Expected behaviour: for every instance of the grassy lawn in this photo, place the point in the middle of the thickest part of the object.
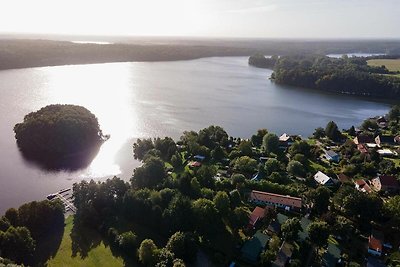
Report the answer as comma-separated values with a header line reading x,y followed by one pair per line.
x,y
391,64
97,256
395,160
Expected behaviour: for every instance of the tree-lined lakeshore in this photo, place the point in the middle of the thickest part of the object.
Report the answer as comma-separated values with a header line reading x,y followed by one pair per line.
x,y
209,197
39,52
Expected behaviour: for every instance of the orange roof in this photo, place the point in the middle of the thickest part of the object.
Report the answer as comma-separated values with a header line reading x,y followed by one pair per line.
x,y
258,213
362,185
275,198
374,243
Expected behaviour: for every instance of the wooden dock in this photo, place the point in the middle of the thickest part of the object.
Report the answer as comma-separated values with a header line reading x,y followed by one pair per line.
x,y
65,196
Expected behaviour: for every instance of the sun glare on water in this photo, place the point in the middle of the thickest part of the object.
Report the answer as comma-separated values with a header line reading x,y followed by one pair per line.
x,y
105,90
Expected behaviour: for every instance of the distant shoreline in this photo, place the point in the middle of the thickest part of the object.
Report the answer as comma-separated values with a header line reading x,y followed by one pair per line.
x,y
29,53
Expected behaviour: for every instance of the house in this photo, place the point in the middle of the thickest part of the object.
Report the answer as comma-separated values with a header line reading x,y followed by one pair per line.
x,y
381,121
257,215
362,186
332,256
279,201
385,183
275,226
386,152
332,156
284,254
285,140
363,139
199,157
194,164
343,178
303,234
375,242
362,148
252,248
323,179
387,140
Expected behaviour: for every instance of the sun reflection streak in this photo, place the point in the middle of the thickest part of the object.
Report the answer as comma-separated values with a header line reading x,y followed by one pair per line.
x,y
105,89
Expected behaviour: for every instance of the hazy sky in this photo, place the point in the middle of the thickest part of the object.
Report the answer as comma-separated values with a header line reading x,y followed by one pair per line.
x,y
224,18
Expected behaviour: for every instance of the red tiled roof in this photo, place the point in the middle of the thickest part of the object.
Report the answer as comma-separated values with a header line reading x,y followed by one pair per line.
x,y
362,185
275,198
374,243
258,213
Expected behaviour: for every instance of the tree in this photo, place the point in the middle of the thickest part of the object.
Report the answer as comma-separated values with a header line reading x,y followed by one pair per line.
x,y
394,113
218,153
205,175
179,263
332,131
150,174
270,143
141,147
352,131
245,148
127,241
17,244
392,207
4,224
222,203
183,245
246,164
257,138
301,147
237,178
176,160
272,165
239,217
291,228
320,199
318,233
267,257
147,252
206,216
319,133
235,198
369,124
295,168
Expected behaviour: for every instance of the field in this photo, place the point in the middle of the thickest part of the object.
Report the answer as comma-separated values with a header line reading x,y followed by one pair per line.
x,y
98,255
391,64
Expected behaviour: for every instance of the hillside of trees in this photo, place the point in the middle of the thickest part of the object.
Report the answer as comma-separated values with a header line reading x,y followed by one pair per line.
x,y
347,75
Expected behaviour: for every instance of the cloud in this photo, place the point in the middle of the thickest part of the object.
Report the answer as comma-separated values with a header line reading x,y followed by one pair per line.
x,y
257,9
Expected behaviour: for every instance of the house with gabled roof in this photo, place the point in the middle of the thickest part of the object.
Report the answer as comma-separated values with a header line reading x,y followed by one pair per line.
x,y
362,186
385,183
363,139
382,140
276,200
323,179
257,215
375,243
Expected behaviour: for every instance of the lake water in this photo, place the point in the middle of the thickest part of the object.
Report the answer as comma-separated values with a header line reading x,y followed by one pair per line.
x,y
134,100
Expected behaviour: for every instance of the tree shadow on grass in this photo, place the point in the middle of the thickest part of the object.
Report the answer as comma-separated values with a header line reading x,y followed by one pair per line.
x,y
48,245
83,239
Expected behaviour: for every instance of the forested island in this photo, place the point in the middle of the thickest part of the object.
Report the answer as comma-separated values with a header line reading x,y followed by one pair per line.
x,y
59,132
209,198
346,75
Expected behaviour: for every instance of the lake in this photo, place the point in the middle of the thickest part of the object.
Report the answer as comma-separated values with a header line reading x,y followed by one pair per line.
x,y
134,100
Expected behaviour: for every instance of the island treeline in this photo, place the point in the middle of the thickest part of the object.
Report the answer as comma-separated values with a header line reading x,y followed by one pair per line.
x,y
348,75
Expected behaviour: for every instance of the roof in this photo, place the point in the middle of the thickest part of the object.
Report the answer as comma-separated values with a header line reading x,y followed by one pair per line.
x,y
388,139
258,213
362,139
388,180
195,164
303,234
252,248
343,177
284,137
363,186
275,198
374,243
284,254
322,178
332,255
386,152
331,153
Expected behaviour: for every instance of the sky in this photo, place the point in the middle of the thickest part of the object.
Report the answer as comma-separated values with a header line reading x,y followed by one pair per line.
x,y
205,18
